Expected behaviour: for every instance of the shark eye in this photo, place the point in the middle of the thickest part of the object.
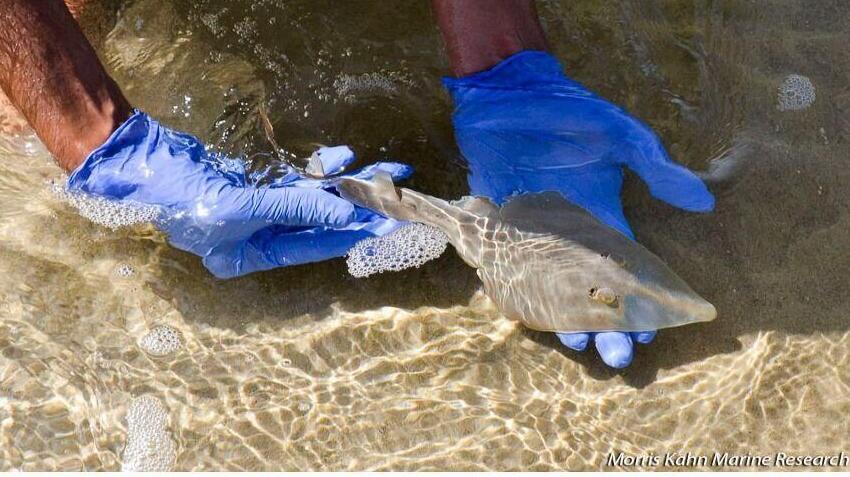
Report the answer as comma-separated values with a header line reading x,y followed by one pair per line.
x,y
603,295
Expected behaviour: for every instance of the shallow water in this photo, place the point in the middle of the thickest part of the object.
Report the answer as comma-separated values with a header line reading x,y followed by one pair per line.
x,y
309,368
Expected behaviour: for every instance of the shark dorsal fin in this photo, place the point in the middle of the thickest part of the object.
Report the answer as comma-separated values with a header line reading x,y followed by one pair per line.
x,y
481,206
384,181
315,167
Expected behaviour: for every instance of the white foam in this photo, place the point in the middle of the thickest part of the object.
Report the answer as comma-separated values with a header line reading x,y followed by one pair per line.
x,y
796,93
409,246
161,340
124,271
350,86
150,447
108,213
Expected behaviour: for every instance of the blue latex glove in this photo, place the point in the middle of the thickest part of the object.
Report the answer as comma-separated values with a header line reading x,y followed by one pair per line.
x,y
210,208
523,126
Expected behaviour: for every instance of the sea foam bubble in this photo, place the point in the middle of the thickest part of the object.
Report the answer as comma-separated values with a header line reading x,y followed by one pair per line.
x,y
411,245
150,447
112,214
796,93
161,340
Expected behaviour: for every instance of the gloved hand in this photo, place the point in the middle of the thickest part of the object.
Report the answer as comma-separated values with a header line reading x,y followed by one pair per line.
x,y
209,207
523,126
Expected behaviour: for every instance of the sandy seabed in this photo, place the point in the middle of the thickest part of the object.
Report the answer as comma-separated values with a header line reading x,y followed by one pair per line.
x,y
308,368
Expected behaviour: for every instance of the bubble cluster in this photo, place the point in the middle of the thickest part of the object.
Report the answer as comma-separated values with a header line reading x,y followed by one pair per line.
x,y
112,214
124,271
211,20
161,340
184,107
409,246
349,86
150,448
796,93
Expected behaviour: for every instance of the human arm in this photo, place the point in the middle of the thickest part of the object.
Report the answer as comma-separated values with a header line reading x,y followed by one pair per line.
x,y
523,126
50,72
206,202
478,35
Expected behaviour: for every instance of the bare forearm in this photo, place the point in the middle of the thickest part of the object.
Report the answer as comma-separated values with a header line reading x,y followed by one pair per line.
x,y
52,75
480,33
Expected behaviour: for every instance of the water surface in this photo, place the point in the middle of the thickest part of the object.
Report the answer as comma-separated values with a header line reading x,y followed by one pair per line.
x,y
309,368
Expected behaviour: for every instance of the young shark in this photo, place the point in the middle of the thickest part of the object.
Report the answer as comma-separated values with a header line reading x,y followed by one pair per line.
x,y
546,262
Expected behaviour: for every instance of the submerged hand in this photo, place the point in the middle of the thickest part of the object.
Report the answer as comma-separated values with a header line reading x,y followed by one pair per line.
x,y
210,209
523,126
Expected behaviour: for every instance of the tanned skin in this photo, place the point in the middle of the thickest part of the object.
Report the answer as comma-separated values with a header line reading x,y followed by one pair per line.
x,y
53,76
11,120
481,33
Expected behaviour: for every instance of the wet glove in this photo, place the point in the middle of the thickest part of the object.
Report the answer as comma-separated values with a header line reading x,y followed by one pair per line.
x,y
523,126
211,207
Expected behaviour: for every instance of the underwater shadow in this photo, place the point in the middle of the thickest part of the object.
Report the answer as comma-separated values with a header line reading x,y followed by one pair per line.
x,y
769,265
766,260
315,290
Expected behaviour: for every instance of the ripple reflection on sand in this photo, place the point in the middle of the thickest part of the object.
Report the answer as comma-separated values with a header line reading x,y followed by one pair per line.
x,y
302,369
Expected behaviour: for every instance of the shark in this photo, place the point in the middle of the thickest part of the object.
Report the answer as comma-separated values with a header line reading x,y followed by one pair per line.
x,y
546,262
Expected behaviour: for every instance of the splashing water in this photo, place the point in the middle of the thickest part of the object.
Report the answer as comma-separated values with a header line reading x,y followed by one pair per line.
x,y
409,246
